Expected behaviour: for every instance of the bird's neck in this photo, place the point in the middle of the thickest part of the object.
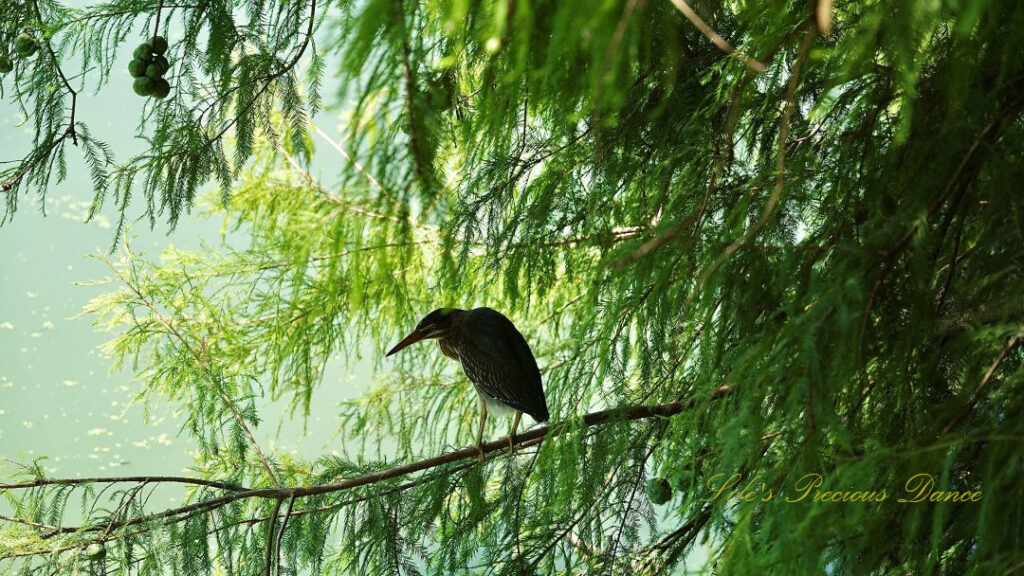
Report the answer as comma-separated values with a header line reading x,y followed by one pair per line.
x,y
448,347
451,342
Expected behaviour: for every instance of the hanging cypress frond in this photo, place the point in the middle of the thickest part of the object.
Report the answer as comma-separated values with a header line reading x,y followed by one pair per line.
x,y
753,247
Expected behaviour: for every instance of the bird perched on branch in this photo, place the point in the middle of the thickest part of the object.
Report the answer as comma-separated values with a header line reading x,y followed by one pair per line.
x,y
495,357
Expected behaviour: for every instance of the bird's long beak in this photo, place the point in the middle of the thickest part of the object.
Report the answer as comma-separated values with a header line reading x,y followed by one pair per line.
x,y
413,338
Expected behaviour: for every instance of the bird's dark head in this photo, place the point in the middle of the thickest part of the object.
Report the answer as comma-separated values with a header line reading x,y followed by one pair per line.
x,y
434,325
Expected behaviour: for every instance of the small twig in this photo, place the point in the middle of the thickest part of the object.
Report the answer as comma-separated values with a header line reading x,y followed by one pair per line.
x,y
685,534
640,472
887,259
954,259
70,131
544,321
946,191
359,167
156,27
245,429
717,40
539,557
814,132
656,242
410,95
31,523
613,47
332,198
519,504
718,164
780,177
1015,568
202,363
56,64
122,479
981,385
19,465
271,524
270,79
1007,310
864,393
125,503
280,535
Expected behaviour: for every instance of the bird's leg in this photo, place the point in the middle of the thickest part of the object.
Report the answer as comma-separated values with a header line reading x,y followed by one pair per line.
x,y
480,429
512,434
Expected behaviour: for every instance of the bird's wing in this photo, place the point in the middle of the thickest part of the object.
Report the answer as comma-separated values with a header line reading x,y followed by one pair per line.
x,y
499,361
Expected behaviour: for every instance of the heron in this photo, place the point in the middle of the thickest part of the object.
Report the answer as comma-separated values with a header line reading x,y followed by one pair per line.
x,y
495,357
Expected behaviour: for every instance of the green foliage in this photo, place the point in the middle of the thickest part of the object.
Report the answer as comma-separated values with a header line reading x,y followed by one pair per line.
x,y
185,131
822,260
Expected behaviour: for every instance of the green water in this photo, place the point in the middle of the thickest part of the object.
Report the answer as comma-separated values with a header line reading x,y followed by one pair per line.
x,y
59,399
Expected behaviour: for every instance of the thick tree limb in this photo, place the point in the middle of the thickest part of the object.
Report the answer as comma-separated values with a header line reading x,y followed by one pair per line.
x,y
823,16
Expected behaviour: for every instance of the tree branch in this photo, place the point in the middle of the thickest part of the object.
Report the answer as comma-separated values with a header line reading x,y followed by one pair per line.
x,y
362,170
780,177
717,40
203,365
120,479
270,79
674,541
271,524
280,536
981,386
39,525
1008,310
410,95
56,64
529,438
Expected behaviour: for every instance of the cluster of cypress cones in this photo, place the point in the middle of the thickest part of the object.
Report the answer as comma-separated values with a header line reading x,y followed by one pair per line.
x,y
148,68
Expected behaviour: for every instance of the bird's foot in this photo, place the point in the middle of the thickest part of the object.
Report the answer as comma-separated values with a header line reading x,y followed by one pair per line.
x,y
511,444
480,450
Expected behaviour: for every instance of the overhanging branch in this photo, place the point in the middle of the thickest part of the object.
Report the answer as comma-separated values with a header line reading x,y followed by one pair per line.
x,y
715,38
122,479
236,493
